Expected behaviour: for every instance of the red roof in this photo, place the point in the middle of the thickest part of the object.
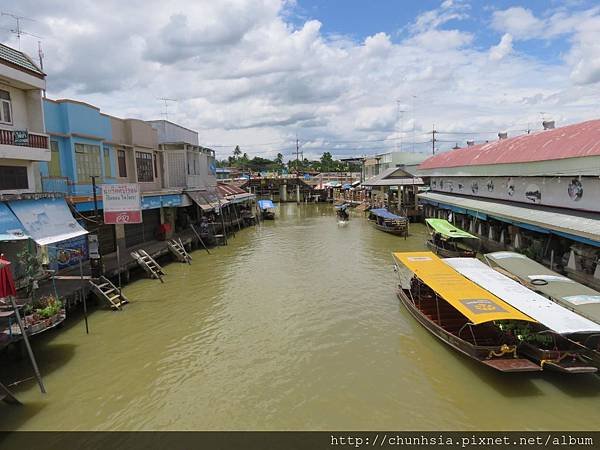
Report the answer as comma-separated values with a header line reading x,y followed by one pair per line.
x,y
229,189
573,141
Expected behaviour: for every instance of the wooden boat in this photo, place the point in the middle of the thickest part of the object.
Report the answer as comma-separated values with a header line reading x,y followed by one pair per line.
x,y
547,342
384,220
267,209
448,241
460,313
560,289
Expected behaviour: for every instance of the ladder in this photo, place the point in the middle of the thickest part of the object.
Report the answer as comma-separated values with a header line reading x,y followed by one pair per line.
x,y
178,249
7,396
148,264
106,290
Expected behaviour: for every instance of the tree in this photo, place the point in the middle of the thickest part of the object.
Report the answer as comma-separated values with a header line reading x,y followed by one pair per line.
x,y
279,159
236,152
327,163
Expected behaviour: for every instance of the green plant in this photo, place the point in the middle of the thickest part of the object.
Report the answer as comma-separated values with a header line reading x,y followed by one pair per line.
x,y
48,306
31,265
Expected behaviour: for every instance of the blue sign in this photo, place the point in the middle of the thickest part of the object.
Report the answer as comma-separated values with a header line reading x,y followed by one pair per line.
x,y
68,253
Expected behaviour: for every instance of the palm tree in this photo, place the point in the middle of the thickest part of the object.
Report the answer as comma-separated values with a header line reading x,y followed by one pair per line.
x,y
236,152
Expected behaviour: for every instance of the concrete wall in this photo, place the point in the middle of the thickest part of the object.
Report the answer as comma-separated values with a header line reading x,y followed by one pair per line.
x,y
171,132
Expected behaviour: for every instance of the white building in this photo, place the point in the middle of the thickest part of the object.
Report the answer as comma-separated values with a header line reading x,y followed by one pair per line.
x,y
23,142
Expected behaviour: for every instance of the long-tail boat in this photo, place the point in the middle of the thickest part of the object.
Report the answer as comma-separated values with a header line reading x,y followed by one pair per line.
x,y
549,343
459,312
449,241
560,289
267,209
386,221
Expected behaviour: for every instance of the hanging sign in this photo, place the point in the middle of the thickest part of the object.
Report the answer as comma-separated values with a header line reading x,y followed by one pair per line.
x,y
21,137
121,203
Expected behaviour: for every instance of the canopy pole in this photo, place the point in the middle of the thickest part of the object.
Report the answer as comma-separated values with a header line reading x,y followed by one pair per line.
x,y
199,238
36,370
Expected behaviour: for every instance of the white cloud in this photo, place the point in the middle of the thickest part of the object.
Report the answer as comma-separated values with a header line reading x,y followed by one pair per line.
x,y
242,73
504,48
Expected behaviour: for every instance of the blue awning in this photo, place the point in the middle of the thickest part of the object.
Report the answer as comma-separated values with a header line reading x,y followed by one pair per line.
x,y
10,227
265,204
47,220
382,212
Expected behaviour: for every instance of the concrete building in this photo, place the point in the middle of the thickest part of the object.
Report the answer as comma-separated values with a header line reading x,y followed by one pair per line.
x,y
23,141
537,193
377,164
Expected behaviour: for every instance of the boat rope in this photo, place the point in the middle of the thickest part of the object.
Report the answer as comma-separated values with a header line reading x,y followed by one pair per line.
x,y
556,361
504,350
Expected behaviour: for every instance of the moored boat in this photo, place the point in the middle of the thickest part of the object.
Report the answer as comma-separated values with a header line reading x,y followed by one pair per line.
x,y
448,241
560,289
386,221
460,313
549,343
267,209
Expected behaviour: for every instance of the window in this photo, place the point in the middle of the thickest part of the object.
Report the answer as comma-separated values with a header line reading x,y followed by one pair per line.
x,y
88,162
54,164
143,162
13,177
107,166
5,107
122,160
155,165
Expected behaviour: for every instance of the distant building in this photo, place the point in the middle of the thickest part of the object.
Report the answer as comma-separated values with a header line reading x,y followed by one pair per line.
x,y
379,163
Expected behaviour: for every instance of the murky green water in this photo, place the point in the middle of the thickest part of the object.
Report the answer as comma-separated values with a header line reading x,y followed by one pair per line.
x,y
294,325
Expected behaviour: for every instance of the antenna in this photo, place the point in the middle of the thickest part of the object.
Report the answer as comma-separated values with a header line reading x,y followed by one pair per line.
x,y
166,100
400,113
18,30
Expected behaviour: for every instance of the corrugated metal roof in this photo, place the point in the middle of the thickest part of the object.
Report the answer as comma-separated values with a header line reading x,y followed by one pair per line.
x,y
578,224
394,176
19,59
229,189
573,141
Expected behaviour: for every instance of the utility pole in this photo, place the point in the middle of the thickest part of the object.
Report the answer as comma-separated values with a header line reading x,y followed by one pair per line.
x,y
41,56
433,140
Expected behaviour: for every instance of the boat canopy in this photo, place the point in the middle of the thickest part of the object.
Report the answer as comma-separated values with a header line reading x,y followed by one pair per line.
x,y
449,231
382,212
265,204
471,300
545,311
568,293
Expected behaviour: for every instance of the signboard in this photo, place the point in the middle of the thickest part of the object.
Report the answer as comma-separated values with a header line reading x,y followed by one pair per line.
x,y
121,203
21,137
68,253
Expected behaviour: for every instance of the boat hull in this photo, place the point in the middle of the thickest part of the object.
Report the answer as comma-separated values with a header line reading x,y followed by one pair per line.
x,y
478,353
447,253
403,231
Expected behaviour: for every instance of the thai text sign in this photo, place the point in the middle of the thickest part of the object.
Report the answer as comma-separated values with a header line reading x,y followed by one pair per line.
x,y
121,203
21,137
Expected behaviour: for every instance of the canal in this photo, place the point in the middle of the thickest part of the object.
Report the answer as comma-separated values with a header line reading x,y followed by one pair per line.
x,y
294,325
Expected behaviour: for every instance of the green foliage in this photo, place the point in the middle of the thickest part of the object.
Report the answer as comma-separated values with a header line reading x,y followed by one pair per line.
x,y
31,267
47,307
523,332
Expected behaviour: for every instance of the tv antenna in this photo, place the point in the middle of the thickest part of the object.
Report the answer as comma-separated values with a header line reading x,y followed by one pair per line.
x,y
399,116
18,30
166,101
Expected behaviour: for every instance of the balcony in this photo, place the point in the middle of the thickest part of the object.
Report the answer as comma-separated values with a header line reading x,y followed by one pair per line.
x,y
17,144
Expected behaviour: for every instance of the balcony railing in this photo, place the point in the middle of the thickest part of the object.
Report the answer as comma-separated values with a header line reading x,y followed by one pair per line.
x,y
35,140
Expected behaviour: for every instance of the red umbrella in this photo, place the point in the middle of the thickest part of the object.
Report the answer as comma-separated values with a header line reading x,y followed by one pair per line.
x,y
7,284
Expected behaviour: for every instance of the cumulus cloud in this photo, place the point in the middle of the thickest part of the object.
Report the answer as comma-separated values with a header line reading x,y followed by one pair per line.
x,y
504,48
249,71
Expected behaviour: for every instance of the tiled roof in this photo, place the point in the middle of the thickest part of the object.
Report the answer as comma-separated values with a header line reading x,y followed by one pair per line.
x,y
572,141
18,58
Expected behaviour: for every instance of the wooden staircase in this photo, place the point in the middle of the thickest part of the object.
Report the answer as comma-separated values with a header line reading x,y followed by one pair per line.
x,y
7,396
177,248
148,264
107,291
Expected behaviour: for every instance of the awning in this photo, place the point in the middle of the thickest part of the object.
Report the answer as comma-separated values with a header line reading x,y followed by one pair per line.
x,y
239,198
540,308
10,227
584,227
206,200
382,212
564,291
472,301
46,220
446,229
